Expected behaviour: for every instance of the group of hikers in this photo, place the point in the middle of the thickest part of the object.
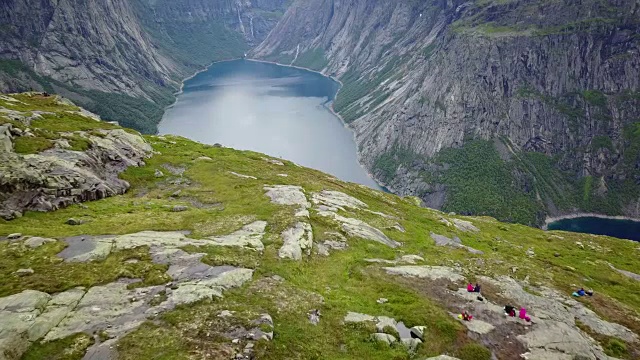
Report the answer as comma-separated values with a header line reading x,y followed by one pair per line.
x,y
508,309
511,310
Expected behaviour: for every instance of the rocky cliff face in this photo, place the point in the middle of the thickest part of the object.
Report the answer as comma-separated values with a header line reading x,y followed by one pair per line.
x,y
39,173
123,59
555,85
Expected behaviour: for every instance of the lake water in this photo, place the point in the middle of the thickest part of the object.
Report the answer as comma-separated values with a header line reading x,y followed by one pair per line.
x,y
276,110
623,229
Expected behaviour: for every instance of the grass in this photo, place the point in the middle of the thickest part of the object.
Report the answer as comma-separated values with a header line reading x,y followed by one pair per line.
x,y
69,348
31,145
52,274
220,203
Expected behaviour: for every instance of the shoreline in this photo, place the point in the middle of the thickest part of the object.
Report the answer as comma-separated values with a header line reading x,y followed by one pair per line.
x,y
334,113
181,90
552,219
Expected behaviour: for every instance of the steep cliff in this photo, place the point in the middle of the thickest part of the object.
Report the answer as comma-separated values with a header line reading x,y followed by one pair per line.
x,y
516,109
123,59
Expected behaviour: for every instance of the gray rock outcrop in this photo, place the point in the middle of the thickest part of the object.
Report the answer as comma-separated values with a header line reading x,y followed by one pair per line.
x,y
57,178
298,240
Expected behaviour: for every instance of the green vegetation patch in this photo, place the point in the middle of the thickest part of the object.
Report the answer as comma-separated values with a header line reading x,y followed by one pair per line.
x,y
480,182
314,59
31,145
69,348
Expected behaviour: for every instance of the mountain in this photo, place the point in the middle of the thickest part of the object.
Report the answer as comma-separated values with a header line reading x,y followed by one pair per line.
x,y
192,251
515,109
123,59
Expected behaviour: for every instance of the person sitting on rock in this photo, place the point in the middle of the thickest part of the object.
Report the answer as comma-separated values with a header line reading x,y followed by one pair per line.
x,y
466,316
476,288
470,287
510,310
579,293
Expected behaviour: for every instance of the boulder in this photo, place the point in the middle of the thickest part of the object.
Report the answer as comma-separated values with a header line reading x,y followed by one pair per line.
x,y
417,332
384,338
411,344
35,242
74,222
287,195
158,173
14,236
384,322
24,272
297,240
179,208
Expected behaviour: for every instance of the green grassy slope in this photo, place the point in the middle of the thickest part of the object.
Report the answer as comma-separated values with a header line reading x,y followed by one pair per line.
x,y
220,202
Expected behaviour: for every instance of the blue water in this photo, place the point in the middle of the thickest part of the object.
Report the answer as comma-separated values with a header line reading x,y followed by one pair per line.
x,y
276,110
623,229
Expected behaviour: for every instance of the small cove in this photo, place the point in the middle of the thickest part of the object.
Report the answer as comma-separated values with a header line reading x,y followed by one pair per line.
x,y
277,110
619,228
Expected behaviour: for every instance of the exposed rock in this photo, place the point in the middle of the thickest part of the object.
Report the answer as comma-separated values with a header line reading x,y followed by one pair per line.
x,y
430,272
287,195
158,173
382,301
204,158
243,176
24,272
14,236
626,273
353,317
478,326
57,178
384,322
411,344
384,338
360,229
296,240
6,139
249,236
283,175
179,208
442,240
273,161
337,200
74,222
417,332
464,225
442,357
554,339
35,242
411,259
314,316
530,252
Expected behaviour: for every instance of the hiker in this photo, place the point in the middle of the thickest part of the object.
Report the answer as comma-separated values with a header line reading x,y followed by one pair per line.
x,y
470,287
579,293
476,288
510,310
466,316
523,315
